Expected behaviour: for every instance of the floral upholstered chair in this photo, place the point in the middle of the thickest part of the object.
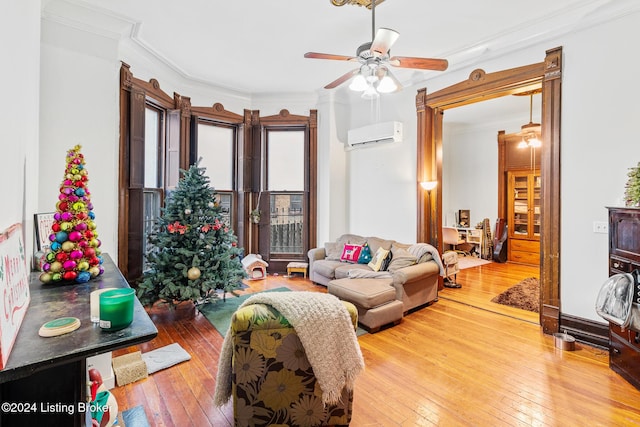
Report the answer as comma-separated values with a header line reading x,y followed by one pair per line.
x,y
272,381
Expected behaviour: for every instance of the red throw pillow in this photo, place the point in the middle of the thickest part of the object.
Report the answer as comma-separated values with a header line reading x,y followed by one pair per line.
x,y
351,253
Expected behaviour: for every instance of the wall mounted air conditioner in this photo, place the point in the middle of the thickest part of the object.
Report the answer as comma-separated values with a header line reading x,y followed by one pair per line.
x,y
378,132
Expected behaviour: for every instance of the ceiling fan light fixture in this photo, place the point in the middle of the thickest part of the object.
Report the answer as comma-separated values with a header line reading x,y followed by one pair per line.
x,y
359,83
533,141
370,93
387,85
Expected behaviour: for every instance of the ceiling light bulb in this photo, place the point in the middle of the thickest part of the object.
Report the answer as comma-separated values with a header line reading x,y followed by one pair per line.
x,y
370,93
523,144
358,84
534,142
387,85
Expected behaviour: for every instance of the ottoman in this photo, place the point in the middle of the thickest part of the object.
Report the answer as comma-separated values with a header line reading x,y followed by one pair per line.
x,y
375,300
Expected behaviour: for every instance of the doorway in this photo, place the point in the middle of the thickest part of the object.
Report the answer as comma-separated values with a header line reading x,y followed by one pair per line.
x,y
482,86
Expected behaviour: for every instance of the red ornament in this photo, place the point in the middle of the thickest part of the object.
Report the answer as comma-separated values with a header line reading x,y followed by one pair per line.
x,y
89,252
62,256
69,275
55,227
88,234
94,261
63,206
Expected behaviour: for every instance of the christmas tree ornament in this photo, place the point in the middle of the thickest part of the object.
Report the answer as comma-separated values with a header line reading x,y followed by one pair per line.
x,y
73,230
194,273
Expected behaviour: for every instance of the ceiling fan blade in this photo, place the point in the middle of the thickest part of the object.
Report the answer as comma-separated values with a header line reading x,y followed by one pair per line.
x,y
383,41
337,82
422,63
316,55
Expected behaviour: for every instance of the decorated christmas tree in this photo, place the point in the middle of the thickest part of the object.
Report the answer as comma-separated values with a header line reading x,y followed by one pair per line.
x,y
192,252
74,254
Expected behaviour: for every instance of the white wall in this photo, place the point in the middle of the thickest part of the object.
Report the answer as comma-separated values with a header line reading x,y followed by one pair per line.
x,y
20,73
599,143
469,173
381,193
78,103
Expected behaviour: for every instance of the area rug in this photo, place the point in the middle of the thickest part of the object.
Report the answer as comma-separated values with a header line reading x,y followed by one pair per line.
x,y
164,357
470,261
134,417
525,295
219,313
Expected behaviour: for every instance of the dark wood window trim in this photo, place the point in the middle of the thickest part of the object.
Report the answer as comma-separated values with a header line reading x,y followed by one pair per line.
x,y
286,121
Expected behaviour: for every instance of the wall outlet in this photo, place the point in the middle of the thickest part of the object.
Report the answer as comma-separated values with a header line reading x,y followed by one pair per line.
x,y
601,227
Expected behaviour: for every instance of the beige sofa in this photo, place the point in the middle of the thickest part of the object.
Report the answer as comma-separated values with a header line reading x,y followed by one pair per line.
x,y
409,281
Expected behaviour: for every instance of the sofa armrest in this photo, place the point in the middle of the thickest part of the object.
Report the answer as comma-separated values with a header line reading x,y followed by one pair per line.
x,y
414,272
315,254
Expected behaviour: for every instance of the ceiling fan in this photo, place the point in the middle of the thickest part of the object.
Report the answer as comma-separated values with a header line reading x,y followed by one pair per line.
x,y
373,74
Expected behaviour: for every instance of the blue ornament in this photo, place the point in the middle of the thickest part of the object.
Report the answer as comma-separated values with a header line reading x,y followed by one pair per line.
x,y
79,192
92,215
55,246
83,277
61,236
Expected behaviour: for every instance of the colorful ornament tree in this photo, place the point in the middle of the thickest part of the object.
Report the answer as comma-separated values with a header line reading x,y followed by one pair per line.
x,y
74,254
193,253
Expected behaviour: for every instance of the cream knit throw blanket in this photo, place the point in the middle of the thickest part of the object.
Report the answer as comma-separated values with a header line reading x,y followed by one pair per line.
x,y
326,332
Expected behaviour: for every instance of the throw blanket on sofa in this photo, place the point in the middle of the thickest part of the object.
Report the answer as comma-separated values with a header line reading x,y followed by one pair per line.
x,y
334,354
419,249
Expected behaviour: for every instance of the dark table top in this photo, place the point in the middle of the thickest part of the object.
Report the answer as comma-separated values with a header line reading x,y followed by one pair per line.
x,y
32,353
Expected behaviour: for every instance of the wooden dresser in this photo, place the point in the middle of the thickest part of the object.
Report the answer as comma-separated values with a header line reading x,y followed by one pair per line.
x,y
624,257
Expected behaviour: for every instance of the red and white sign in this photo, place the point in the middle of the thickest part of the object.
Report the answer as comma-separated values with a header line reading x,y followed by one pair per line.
x,y
14,288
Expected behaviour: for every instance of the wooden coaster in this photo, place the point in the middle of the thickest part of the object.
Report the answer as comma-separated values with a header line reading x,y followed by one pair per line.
x,y
59,326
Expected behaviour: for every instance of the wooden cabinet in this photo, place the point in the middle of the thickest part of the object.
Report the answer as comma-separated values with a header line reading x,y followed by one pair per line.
x,y
523,217
624,257
48,376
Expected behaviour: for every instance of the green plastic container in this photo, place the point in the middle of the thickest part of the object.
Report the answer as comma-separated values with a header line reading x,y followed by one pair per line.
x,y
116,309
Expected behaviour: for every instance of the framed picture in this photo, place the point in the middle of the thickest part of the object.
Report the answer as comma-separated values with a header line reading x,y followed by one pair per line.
x,y
43,223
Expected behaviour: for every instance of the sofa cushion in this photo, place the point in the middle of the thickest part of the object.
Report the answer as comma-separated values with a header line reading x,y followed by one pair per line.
x,y
351,253
376,242
333,251
366,293
343,269
326,268
365,254
400,258
378,258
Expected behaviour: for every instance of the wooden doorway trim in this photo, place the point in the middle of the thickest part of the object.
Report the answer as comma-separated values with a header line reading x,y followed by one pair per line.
x,y
480,87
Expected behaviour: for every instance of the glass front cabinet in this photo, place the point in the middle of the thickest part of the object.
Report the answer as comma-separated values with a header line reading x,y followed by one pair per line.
x,y
523,219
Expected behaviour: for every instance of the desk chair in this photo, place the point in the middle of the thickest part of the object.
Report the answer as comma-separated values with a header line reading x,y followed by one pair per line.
x,y
450,236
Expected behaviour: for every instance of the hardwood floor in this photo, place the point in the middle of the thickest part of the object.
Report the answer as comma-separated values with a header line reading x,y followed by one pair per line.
x,y
462,361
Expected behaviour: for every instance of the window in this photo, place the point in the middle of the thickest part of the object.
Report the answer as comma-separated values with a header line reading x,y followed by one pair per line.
x,y
216,151
285,183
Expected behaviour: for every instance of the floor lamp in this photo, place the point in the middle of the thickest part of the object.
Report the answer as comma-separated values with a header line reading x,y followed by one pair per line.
x,y
428,186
